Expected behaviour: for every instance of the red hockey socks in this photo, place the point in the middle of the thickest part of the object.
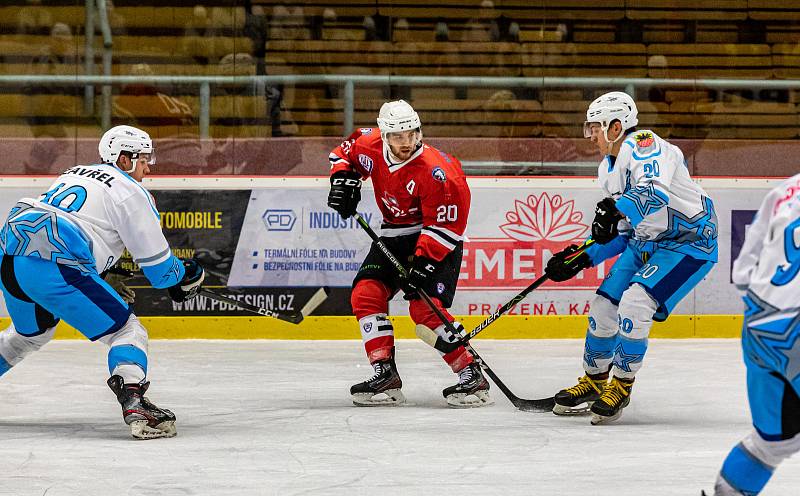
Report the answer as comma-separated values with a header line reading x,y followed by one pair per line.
x,y
422,314
370,302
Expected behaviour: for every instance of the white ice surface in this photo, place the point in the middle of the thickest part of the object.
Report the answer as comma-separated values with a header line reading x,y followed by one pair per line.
x,y
275,418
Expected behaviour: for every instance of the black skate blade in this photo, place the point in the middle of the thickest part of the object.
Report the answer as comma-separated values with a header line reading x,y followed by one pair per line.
x,y
543,405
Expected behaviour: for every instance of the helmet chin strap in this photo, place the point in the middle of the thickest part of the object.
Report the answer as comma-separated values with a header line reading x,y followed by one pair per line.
x,y
611,143
133,167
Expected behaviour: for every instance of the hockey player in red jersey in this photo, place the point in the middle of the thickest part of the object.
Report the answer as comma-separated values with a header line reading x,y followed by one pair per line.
x,y
424,198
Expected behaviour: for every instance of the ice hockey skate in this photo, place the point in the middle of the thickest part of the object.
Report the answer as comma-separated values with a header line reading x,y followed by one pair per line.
x,y
616,396
577,400
382,389
146,420
471,391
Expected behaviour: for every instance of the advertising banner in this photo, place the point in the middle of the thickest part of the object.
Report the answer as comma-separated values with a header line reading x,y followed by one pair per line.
x,y
291,238
275,244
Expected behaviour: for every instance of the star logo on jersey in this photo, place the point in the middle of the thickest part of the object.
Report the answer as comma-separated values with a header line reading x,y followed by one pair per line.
x,y
700,230
646,199
39,236
779,340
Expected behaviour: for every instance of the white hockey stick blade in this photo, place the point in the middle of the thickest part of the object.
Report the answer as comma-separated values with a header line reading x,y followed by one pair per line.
x,y
315,301
426,334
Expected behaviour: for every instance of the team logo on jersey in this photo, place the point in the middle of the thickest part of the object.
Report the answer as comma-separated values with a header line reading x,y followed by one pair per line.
x,y
439,174
365,162
367,327
439,288
644,139
365,130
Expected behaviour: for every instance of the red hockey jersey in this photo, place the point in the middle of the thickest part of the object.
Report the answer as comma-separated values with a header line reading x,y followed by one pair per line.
x,y
427,193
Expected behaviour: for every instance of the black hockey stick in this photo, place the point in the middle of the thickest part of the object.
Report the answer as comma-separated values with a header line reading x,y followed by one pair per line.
x,y
431,338
294,317
540,405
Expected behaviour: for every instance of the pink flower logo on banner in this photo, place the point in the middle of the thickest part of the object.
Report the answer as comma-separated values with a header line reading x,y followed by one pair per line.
x,y
544,218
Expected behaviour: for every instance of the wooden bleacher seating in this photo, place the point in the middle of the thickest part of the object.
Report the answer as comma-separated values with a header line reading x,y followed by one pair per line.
x,y
584,60
712,60
735,120
786,60
155,35
770,10
666,10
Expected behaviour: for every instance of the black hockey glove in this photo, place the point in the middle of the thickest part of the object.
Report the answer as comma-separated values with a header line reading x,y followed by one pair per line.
x,y
421,270
190,284
559,268
116,277
606,217
345,193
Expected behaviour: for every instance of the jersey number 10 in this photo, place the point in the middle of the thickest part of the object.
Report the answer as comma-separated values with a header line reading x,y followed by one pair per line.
x,y
69,200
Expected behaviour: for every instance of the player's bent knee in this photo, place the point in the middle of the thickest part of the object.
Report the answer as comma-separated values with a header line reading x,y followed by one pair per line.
x,y
602,317
15,346
771,453
636,310
369,296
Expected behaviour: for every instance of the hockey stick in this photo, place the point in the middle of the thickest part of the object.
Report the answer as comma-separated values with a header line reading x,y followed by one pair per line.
x,y
540,405
431,338
293,317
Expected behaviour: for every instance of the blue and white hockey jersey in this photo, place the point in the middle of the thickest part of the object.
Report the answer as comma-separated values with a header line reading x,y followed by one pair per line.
x,y
651,185
88,217
768,265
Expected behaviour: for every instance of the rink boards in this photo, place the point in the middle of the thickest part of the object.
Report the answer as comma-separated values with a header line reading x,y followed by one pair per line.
x,y
272,241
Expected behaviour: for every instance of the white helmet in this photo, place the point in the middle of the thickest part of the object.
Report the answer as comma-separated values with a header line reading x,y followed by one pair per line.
x,y
125,139
608,108
397,116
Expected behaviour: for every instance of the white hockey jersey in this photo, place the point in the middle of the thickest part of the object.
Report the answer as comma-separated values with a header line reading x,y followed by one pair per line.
x,y
768,265
651,185
88,217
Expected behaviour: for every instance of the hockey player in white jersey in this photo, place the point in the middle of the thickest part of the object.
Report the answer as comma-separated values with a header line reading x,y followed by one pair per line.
x,y
53,250
766,270
664,226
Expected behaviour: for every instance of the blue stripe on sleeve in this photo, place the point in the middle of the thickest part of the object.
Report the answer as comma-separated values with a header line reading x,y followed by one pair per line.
x,y
165,274
597,252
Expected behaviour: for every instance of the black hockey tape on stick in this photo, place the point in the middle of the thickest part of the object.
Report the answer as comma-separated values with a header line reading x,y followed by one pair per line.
x,y
294,317
540,405
427,335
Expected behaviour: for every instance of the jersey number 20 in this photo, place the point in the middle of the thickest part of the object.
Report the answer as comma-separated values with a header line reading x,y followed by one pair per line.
x,y
447,213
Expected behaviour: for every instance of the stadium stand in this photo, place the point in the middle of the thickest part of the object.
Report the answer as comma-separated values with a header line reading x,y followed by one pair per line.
x,y
743,39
